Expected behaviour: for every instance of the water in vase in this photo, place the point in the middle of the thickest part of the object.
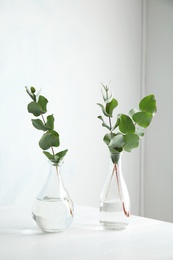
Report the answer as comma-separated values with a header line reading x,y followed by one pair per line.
x,y
112,215
52,214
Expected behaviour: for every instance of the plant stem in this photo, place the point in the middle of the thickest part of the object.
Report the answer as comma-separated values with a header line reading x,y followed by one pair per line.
x,y
43,119
110,123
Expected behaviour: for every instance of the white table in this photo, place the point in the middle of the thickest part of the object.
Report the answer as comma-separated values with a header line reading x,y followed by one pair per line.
x,y
143,239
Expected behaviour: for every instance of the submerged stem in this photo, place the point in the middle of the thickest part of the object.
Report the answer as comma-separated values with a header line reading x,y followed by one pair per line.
x,y
118,183
57,172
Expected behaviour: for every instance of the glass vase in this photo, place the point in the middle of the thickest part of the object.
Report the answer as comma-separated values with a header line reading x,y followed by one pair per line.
x,y
53,208
115,201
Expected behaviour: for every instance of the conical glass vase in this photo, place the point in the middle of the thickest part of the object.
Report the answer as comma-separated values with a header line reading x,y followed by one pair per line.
x,y
114,200
53,208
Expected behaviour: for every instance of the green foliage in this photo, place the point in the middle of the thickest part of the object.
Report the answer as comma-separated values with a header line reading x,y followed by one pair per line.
x,y
125,133
56,157
40,125
142,118
118,142
38,108
110,106
50,138
126,125
148,104
131,141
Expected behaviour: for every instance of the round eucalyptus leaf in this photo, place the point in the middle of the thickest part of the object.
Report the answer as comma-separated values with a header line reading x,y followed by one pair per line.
x,y
142,118
35,109
50,138
126,125
131,142
117,141
107,138
148,104
38,124
50,122
110,106
38,108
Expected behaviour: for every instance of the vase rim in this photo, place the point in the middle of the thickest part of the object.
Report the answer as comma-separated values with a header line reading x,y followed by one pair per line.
x,y
116,152
60,163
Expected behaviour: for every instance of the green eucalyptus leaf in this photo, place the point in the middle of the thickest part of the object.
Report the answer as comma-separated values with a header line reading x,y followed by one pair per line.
x,y
126,125
103,109
133,111
143,118
110,106
148,104
49,155
50,122
139,130
42,101
38,108
62,154
34,108
131,142
50,138
117,141
38,124
107,138
56,158
103,123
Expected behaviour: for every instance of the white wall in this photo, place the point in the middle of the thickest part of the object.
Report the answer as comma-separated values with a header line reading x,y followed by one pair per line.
x,y
66,48
159,80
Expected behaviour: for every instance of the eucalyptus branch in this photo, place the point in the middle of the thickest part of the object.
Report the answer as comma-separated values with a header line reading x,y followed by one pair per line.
x,y
128,129
50,138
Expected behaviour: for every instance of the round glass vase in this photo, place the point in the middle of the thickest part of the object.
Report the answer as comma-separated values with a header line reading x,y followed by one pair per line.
x,y
53,208
114,200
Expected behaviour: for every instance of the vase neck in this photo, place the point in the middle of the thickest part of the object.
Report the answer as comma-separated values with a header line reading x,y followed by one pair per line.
x,y
56,167
116,158
55,173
